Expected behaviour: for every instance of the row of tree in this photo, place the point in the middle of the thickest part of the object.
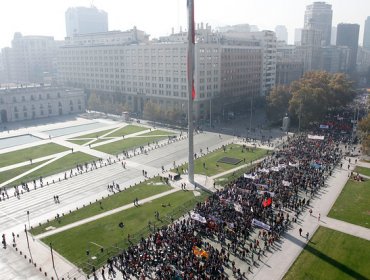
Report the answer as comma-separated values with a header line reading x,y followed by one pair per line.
x,y
309,99
106,104
155,112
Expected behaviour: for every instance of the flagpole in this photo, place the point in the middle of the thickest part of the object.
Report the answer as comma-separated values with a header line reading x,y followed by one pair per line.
x,y
191,89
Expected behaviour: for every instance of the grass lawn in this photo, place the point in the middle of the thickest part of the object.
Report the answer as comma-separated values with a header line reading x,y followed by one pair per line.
x,y
63,164
143,190
158,132
127,144
105,232
224,180
362,170
10,158
126,130
332,255
7,175
95,134
233,150
353,204
78,142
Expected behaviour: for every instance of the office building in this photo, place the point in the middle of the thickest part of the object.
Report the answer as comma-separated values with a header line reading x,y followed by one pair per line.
x,y
228,70
30,58
318,16
366,41
347,35
281,33
83,20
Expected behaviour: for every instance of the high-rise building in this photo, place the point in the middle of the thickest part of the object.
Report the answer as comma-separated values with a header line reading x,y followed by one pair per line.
x,y
318,16
83,20
333,39
297,36
281,33
347,35
366,42
30,58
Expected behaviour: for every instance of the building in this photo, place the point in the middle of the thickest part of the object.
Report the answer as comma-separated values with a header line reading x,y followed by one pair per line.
x,y
39,101
228,71
289,66
309,50
333,39
30,58
83,20
347,35
318,16
366,42
281,33
335,59
297,36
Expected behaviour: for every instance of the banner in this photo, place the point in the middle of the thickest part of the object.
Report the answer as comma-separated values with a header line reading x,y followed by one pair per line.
x,y
324,126
272,194
250,176
294,164
199,218
260,224
286,183
264,170
262,187
315,137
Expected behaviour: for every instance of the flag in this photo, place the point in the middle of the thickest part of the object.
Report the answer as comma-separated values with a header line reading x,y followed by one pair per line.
x,y
200,252
267,202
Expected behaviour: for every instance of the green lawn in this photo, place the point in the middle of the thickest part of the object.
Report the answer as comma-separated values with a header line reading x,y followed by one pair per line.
x,y
7,175
105,232
158,132
224,180
332,255
79,142
10,158
362,170
143,190
353,204
63,164
95,134
126,130
212,167
127,144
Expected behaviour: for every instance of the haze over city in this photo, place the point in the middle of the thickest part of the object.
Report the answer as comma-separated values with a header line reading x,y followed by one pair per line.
x,y
47,17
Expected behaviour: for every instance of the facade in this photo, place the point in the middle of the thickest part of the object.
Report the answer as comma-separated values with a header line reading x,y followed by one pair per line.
x,y
281,33
32,102
297,36
335,59
318,16
289,67
83,20
347,35
309,50
228,71
366,42
30,58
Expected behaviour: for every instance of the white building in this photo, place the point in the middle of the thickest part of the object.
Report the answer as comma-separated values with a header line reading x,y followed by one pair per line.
x,y
38,101
228,72
30,58
83,20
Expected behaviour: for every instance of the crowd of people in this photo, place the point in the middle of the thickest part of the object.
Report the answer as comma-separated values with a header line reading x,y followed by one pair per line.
x,y
242,221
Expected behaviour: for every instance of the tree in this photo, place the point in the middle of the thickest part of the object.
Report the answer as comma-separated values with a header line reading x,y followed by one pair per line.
x,y
317,92
93,102
364,126
278,102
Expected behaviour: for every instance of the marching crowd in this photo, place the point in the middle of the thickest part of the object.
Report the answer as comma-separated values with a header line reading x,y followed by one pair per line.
x,y
271,196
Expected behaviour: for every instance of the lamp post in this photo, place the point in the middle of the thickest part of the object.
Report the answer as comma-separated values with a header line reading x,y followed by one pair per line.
x,y
28,216
28,242
250,120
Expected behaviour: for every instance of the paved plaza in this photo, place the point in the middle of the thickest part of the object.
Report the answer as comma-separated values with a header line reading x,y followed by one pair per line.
x,y
84,188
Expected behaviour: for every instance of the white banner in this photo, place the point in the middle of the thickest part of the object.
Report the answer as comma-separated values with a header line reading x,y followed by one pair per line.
x,y
238,207
260,224
315,137
199,218
286,183
250,176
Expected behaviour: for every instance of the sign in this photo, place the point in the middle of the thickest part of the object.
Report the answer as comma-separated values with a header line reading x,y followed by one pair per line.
x,y
260,224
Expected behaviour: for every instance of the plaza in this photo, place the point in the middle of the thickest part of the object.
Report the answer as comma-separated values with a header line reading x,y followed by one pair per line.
x,y
89,185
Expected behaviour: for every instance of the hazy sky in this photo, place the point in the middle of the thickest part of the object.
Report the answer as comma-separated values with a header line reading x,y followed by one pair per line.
x,y
157,17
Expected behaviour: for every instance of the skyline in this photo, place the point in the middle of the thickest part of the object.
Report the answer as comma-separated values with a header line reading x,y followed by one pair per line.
x,y
157,20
